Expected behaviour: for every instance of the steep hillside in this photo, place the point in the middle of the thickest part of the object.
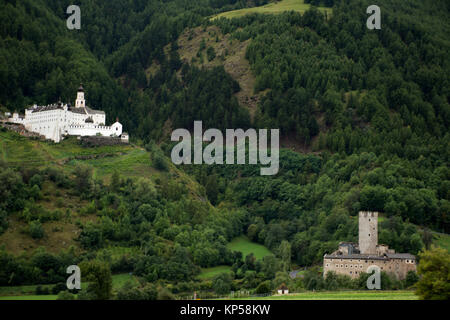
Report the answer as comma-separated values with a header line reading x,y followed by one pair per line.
x,y
363,117
63,210
208,47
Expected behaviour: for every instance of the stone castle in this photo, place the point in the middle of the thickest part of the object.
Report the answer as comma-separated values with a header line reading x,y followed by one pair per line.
x,y
58,120
352,259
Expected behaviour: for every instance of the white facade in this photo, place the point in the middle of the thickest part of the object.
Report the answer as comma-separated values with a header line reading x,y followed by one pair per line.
x,y
55,121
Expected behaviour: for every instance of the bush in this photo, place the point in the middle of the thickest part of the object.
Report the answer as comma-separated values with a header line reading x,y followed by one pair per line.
x,y
128,292
164,294
210,53
37,180
411,279
222,283
41,291
434,268
159,161
58,288
65,295
3,221
36,230
263,287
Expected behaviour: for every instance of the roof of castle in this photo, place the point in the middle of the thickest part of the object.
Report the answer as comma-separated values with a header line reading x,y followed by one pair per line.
x,y
92,111
47,108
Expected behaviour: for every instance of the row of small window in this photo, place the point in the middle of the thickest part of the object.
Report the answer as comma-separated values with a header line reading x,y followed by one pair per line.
x,y
50,120
346,266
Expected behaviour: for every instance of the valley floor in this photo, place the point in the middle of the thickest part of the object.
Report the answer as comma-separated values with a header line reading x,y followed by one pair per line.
x,y
342,295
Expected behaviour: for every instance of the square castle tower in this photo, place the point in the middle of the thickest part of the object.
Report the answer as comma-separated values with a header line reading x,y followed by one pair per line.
x,y
354,258
368,232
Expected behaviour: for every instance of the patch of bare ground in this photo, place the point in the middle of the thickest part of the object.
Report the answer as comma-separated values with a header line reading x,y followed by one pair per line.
x,y
229,52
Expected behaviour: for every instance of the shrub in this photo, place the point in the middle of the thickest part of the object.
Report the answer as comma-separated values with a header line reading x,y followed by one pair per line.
x,y
165,294
42,291
65,295
58,288
263,287
411,279
159,161
36,230
210,53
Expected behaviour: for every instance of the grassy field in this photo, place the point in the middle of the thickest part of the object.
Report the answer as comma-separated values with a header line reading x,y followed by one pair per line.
x,y
343,295
209,273
271,8
47,297
244,245
118,280
442,240
28,292
21,290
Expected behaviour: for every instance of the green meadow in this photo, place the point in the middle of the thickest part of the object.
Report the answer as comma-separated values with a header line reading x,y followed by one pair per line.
x,y
28,292
244,245
31,297
271,8
343,295
209,273
441,240
118,280
241,244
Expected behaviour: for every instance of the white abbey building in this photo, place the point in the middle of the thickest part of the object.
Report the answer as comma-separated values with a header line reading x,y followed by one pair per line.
x,y
57,120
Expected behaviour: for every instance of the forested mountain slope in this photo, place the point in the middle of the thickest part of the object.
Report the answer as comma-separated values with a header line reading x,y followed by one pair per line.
x,y
369,108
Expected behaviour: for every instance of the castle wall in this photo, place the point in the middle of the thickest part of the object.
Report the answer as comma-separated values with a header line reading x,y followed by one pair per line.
x,y
354,267
93,130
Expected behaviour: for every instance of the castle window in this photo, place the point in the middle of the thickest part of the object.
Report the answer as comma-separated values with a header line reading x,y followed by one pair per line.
x,y
342,265
346,265
337,266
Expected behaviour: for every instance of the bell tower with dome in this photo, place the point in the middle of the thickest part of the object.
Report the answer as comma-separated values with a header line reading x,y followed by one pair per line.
x,y
80,102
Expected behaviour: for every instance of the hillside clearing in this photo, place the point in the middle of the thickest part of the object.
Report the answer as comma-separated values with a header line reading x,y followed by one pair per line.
x,y
271,8
209,273
229,53
244,245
